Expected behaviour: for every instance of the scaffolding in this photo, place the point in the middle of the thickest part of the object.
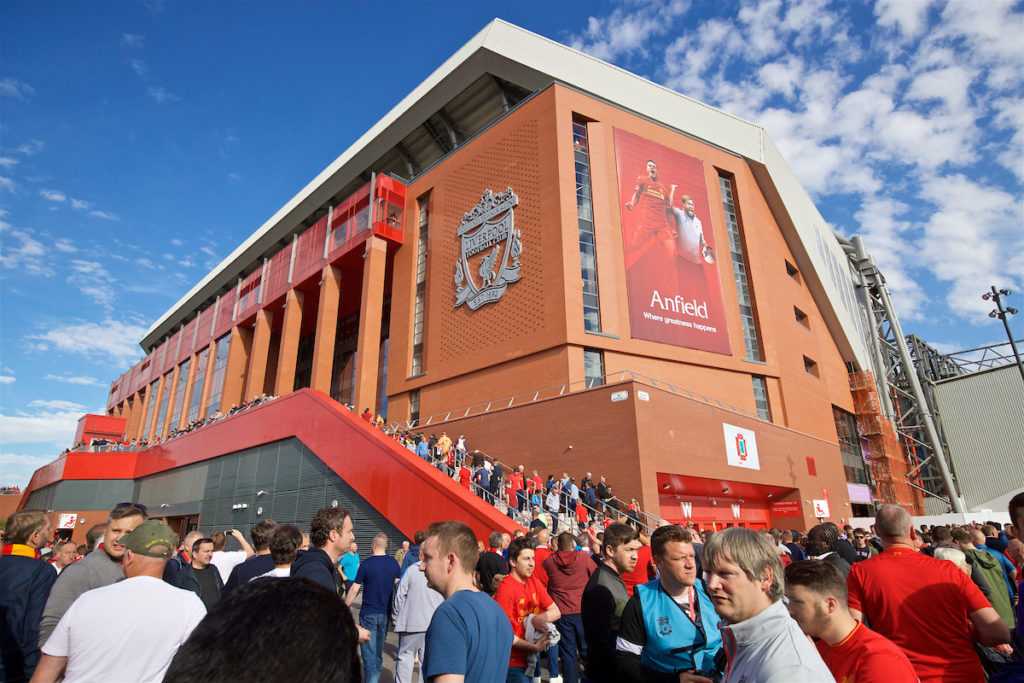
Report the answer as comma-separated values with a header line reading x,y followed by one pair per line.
x,y
904,402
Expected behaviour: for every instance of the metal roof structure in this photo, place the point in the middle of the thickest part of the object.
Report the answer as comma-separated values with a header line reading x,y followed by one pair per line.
x,y
498,68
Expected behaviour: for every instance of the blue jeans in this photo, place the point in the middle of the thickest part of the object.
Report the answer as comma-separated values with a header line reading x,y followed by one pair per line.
x,y
516,674
571,628
552,653
373,650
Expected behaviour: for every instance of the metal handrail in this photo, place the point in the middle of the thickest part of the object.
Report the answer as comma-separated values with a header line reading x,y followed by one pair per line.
x,y
559,390
646,521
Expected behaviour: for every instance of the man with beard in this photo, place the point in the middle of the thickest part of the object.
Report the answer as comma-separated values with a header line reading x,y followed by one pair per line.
x,y
853,652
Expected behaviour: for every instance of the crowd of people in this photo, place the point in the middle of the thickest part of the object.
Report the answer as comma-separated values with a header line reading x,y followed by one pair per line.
x,y
10,490
589,504
102,445
891,604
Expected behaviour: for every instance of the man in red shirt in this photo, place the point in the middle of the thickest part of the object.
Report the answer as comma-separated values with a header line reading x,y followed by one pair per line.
x,y
644,565
853,652
928,607
522,597
652,198
541,553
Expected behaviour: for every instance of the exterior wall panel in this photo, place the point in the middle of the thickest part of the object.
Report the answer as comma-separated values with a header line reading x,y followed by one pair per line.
x,y
982,416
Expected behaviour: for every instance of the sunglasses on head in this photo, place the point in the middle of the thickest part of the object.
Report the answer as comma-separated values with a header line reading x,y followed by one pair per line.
x,y
138,506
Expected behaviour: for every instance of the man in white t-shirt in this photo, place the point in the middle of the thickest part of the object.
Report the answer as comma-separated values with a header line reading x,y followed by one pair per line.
x,y
226,560
129,630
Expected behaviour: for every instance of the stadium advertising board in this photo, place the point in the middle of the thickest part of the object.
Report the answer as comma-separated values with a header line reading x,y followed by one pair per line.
x,y
672,281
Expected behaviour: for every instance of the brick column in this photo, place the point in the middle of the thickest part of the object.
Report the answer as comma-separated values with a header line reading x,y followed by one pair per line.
x,y
258,358
164,426
364,393
326,329
234,369
134,411
291,327
147,405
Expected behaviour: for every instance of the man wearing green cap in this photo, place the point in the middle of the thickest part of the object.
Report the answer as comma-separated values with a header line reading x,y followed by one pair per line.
x,y
129,630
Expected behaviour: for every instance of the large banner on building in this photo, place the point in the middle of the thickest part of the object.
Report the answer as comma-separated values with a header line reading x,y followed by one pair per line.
x,y
672,281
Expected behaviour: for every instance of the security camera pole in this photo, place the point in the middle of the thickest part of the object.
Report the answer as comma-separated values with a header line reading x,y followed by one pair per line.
x,y
1001,313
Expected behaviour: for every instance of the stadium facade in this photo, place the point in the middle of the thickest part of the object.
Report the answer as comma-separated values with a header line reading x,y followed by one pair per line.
x,y
576,268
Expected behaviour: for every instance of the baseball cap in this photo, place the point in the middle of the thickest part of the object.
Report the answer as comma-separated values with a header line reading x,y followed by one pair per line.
x,y
149,534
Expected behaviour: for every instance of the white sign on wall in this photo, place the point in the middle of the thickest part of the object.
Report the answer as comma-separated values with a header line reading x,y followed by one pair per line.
x,y
821,509
66,520
741,447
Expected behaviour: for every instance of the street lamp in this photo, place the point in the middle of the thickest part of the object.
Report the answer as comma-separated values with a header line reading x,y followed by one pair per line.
x,y
1001,313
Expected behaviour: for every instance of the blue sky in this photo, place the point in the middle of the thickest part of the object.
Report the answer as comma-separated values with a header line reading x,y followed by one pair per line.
x,y
141,142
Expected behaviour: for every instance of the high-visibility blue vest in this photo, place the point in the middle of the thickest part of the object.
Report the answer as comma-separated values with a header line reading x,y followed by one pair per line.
x,y
674,642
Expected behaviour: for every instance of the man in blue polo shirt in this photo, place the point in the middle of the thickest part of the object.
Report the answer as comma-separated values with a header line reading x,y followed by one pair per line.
x,y
378,573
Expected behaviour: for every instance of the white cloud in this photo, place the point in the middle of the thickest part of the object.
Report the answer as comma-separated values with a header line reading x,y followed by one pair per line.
x,y
105,215
161,94
30,148
53,195
65,245
111,341
81,380
7,379
8,184
8,162
29,254
15,89
93,280
628,29
138,66
176,242
80,204
234,177
56,404
43,425
906,17
132,40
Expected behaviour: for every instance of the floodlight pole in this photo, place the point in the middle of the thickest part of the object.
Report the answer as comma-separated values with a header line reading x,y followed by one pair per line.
x,y
1002,315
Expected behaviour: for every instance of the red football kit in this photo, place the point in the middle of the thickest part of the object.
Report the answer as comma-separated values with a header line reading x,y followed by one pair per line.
x,y
866,657
922,605
518,600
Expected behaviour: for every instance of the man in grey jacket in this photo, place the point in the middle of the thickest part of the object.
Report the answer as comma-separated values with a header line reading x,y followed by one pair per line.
x,y
101,567
413,607
745,582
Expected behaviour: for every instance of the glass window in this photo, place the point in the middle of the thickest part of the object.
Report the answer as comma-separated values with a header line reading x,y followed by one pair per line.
x,y
197,386
739,271
585,216
811,367
593,367
179,393
421,286
761,398
849,445
158,428
151,408
414,406
217,381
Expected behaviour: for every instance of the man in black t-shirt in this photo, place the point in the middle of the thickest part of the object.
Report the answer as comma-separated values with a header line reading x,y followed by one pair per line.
x,y
491,563
201,577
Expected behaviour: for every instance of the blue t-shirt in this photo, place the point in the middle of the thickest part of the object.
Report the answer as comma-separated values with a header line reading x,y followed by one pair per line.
x,y
469,634
377,575
349,563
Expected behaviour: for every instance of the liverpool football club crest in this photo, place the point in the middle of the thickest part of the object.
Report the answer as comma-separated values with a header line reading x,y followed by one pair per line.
x,y
491,248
